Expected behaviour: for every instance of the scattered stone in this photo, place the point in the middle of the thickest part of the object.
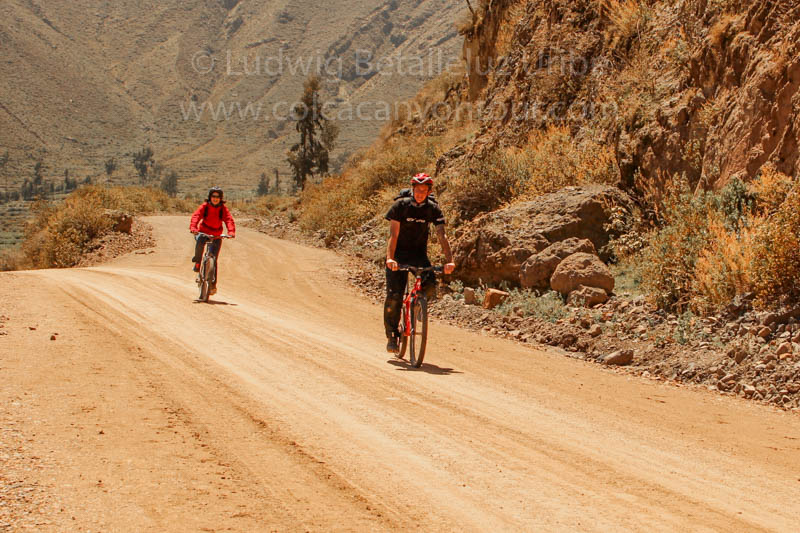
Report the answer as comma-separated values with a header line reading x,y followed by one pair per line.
x,y
469,296
620,357
785,348
494,298
52,337
764,332
587,297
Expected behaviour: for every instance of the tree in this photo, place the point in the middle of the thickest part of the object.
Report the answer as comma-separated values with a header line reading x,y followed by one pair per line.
x,y
317,135
38,173
263,185
111,166
69,184
3,162
143,162
170,183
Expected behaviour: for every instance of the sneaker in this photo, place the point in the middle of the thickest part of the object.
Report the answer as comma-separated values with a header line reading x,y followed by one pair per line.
x,y
392,345
212,291
196,267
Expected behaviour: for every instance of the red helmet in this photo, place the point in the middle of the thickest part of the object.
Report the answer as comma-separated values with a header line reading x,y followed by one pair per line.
x,y
422,179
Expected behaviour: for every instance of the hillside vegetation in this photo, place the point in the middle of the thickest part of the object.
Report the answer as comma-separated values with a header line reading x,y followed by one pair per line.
x,y
61,233
689,106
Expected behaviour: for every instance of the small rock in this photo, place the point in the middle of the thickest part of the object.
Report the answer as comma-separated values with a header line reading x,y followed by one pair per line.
x,y
785,348
469,296
595,330
494,298
587,296
52,337
620,357
764,332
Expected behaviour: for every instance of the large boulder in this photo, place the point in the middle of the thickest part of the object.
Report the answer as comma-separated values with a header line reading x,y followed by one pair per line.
x,y
536,271
494,246
581,269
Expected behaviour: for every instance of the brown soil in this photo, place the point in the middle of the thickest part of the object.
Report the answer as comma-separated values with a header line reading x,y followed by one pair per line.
x,y
272,410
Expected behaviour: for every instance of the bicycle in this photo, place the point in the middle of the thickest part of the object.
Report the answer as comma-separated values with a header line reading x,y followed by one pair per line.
x,y
207,277
414,321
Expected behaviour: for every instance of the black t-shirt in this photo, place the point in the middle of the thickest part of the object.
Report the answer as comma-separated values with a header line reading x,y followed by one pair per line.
x,y
414,220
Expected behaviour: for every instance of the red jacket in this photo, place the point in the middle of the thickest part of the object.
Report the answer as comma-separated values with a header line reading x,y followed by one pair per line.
x,y
211,223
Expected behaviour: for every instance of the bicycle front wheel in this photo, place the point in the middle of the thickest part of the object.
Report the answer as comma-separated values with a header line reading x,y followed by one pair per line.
x,y
418,339
403,340
206,277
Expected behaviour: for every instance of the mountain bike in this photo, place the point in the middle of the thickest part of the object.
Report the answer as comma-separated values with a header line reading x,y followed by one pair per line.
x,y
414,322
207,277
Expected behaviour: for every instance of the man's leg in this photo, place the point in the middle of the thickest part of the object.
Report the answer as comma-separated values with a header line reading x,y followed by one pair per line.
x,y
395,288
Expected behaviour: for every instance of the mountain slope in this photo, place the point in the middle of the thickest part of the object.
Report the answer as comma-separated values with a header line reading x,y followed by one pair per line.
x,y
87,80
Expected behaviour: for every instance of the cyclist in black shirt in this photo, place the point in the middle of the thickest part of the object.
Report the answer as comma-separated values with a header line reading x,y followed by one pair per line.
x,y
408,244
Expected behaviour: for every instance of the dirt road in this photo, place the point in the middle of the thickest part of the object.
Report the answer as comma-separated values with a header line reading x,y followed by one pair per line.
x,y
276,408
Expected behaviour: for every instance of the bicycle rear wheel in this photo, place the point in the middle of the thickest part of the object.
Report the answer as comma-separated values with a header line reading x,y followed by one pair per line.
x,y
206,278
418,339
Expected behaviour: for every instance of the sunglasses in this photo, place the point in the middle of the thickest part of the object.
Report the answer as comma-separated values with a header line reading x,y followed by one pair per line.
x,y
216,196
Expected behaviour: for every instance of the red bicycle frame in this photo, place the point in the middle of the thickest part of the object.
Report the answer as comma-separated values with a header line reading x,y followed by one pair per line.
x,y
412,295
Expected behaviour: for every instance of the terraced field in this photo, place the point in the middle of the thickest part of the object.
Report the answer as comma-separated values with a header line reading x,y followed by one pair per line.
x,y
14,215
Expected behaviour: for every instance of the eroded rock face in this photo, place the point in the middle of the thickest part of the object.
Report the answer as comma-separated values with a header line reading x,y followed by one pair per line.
x,y
581,269
495,246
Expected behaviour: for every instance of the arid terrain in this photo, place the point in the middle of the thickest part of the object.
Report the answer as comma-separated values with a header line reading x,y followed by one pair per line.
x,y
87,80
126,405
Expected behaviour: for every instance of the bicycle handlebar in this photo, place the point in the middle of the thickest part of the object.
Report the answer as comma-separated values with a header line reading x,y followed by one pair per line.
x,y
214,236
419,270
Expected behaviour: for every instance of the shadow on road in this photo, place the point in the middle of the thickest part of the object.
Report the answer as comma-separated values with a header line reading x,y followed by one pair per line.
x,y
426,367
213,302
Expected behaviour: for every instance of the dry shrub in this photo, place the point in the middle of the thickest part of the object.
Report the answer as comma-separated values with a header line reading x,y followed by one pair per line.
x,y
13,259
59,233
556,159
342,203
715,246
486,185
771,189
263,205
133,200
776,255
628,20
723,268
668,261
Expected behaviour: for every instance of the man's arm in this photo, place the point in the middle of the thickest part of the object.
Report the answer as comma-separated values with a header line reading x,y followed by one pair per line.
x,y
445,244
394,232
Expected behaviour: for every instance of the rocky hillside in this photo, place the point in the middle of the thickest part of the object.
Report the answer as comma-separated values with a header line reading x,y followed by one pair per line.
x,y
688,109
87,80
709,89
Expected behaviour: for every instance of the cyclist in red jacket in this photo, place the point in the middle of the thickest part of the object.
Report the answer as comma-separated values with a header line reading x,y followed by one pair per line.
x,y
208,219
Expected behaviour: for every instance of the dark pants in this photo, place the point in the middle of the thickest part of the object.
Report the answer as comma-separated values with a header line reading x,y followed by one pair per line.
x,y
395,290
216,245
